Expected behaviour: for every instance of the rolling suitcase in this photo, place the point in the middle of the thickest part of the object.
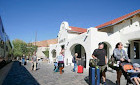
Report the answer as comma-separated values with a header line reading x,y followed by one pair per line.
x,y
25,63
94,76
80,68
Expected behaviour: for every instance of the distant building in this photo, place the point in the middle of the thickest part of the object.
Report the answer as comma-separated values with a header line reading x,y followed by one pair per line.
x,y
125,29
43,46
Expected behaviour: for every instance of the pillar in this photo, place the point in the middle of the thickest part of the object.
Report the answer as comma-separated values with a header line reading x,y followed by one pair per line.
x,y
132,50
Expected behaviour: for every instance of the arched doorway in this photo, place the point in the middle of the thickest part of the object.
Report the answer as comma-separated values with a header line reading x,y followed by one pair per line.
x,y
54,55
108,49
78,48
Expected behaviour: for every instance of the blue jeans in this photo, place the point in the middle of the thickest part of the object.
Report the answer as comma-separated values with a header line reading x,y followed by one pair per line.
x,y
23,61
75,66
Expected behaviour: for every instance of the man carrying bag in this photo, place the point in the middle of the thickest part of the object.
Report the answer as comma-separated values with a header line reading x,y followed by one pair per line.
x,y
100,54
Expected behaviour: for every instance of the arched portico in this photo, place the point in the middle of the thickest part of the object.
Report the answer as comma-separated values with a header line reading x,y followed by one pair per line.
x,y
108,49
54,55
78,48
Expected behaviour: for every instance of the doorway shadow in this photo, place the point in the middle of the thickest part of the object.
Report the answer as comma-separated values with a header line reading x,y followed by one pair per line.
x,y
19,75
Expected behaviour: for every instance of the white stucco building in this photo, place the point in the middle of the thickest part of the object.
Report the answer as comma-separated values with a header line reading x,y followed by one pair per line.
x,y
43,46
125,29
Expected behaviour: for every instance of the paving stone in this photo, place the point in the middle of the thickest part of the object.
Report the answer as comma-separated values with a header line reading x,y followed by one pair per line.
x,y
68,77
22,75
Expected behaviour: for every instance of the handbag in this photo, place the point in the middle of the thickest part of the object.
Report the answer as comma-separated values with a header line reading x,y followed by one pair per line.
x,y
73,59
93,62
112,63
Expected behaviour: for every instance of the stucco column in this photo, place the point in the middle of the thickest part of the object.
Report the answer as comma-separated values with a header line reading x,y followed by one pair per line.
x,y
87,59
132,50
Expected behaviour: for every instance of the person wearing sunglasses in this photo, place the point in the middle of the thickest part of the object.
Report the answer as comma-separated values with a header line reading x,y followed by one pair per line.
x,y
120,56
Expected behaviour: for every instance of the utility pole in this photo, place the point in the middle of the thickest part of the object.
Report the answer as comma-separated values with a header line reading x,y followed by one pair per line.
x,y
35,38
35,41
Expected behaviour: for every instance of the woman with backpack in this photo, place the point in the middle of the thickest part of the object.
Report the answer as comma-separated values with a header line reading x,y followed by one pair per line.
x,y
74,60
120,56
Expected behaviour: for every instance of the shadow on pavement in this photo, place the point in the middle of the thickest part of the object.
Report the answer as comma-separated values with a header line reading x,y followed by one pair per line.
x,y
87,79
108,82
19,75
112,71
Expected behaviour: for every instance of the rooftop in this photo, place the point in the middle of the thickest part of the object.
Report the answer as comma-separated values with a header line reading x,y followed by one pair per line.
x,y
117,20
45,43
78,29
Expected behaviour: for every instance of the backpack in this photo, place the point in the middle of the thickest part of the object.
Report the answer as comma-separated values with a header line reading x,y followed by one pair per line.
x,y
93,62
73,59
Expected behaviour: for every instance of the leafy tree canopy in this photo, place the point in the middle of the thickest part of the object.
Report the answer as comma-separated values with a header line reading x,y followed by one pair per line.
x,y
21,47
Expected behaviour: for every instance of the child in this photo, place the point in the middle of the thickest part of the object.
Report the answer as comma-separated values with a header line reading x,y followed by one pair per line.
x,y
55,66
136,71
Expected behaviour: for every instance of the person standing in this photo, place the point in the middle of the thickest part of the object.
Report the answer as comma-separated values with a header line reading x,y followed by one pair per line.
x,y
100,54
34,62
23,59
61,61
74,60
120,55
27,59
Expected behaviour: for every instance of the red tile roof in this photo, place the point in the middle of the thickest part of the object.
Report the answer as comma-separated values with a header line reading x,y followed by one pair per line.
x,y
78,29
45,43
118,19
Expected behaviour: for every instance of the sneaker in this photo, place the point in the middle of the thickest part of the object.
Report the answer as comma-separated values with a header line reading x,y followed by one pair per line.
x,y
63,71
104,83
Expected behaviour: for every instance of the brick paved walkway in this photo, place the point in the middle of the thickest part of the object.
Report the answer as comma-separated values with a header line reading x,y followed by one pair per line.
x,y
20,75
46,76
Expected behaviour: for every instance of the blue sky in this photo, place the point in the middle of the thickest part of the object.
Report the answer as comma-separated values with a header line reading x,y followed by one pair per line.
x,y
23,18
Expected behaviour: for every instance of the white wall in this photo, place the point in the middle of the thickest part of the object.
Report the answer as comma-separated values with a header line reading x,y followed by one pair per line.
x,y
125,27
40,53
122,32
72,35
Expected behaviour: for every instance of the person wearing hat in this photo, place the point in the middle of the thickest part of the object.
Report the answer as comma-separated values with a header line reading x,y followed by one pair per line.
x,y
100,54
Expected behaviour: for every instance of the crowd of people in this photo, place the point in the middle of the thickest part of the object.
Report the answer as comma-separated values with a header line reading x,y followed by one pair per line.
x,y
100,53
34,61
120,56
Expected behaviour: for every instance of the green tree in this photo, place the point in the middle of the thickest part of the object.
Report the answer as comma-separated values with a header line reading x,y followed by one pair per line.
x,y
31,49
46,53
21,47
